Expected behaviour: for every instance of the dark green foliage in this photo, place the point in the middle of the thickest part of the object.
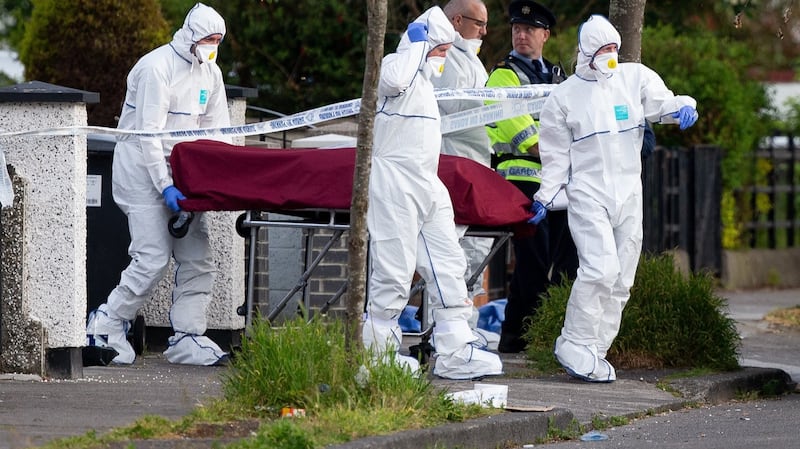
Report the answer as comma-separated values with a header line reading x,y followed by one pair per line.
x,y
714,71
299,54
669,321
6,80
91,45
174,11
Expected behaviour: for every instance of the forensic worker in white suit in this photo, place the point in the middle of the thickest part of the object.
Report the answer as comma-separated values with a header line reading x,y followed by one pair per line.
x,y
176,86
464,70
410,215
592,127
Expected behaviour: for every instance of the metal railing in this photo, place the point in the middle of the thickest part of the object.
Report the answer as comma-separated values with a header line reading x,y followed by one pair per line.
x,y
778,226
682,197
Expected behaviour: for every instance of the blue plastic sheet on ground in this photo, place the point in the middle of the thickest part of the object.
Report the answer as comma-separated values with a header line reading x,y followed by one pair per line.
x,y
490,317
408,320
594,436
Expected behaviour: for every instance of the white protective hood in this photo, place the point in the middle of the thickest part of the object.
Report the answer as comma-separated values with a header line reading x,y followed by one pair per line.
x,y
201,21
440,31
594,34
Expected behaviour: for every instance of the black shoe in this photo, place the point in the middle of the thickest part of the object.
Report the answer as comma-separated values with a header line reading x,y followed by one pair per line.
x,y
97,356
510,344
422,352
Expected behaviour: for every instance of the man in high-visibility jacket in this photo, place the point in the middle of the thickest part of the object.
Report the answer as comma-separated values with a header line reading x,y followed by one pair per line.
x,y
515,144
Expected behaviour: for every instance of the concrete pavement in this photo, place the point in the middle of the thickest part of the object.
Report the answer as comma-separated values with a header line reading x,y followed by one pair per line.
x,y
34,411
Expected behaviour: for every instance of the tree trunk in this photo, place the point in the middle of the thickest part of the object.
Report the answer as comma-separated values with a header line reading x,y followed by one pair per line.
x,y
628,17
357,242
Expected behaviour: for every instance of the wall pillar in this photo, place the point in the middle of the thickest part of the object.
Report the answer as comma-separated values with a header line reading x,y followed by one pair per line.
x,y
43,322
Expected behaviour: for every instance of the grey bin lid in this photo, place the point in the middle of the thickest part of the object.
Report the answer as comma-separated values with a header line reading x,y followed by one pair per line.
x,y
100,143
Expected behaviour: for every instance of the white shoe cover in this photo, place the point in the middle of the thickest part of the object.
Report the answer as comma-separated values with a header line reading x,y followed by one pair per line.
x,y
407,363
384,338
106,332
583,362
188,349
487,341
468,363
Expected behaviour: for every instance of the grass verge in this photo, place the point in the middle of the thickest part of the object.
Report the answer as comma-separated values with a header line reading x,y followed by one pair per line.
x,y
301,365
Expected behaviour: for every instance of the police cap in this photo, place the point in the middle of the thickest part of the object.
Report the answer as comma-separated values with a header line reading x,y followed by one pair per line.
x,y
531,13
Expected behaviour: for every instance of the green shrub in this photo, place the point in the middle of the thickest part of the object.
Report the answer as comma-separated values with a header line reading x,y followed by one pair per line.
x,y
91,45
670,321
733,107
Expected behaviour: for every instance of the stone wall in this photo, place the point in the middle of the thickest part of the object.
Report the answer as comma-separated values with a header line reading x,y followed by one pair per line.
x,y
759,268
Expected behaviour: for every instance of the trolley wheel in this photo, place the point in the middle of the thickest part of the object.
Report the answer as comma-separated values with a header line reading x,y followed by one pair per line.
x,y
240,229
178,225
242,310
138,335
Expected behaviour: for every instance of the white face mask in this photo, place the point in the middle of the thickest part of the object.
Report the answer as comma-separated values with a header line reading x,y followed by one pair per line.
x,y
206,52
606,63
435,65
474,45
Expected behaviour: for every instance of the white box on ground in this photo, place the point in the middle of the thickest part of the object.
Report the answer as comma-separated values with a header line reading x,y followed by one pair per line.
x,y
487,395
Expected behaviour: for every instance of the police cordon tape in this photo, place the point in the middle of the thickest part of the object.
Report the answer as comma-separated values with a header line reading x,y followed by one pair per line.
x,y
511,102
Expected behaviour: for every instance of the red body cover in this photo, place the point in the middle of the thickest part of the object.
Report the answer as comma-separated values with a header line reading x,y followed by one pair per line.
x,y
218,176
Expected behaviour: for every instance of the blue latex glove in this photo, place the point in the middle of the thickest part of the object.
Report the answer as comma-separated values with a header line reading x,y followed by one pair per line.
x,y
687,115
171,197
539,212
417,32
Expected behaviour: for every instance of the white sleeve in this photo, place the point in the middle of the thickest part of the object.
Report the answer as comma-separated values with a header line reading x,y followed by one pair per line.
x,y
555,140
399,69
152,100
659,102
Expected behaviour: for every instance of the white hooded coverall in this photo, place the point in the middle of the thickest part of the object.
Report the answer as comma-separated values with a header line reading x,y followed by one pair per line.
x,y
168,88
410,214
591,135
463,69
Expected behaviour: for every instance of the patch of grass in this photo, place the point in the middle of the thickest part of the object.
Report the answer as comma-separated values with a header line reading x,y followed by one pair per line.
x,y
789,317
670,321
301,366
600,422
283,434
770,389
554,433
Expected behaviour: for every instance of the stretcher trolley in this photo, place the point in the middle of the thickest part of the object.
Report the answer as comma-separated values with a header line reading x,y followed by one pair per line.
x,y
311,189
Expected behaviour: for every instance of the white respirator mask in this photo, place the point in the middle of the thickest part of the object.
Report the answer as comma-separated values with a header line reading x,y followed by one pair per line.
x,y
474,45
606,63
206,52
435,66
